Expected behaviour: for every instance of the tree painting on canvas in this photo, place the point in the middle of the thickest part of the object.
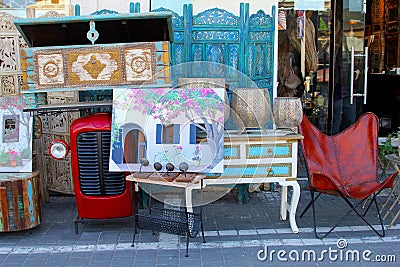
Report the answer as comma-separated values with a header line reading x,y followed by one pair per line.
x,y
168,125
15,135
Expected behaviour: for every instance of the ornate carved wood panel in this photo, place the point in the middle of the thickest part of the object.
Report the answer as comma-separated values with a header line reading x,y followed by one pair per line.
x,y
57,173
10,44
244,42
71,68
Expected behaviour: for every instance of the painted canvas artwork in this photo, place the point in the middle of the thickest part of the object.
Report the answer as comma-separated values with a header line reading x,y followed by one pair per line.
x,y
15,135
168,126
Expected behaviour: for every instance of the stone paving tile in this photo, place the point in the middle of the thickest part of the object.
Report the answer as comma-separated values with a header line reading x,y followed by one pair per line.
x,y
99,264
34,263
100,256
168,252
194,254
38,256
144,263
256,263
234,233
122,261
146,255
212,255
77,262
124,254
57,259
190,263
167,260
14,258
81,254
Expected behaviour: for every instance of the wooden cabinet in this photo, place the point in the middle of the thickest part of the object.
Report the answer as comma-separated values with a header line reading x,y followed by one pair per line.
x,y
382,23
392,33
262,158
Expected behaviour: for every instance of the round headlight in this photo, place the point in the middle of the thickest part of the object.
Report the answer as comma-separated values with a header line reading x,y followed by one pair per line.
x,y
58,149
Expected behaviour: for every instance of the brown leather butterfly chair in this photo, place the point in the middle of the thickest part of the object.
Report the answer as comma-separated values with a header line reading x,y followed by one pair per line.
x,y
345,165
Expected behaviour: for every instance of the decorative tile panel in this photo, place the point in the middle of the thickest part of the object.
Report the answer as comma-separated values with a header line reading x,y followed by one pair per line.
x,y
10,67
9,85
94,67
50,69
9,54
6,23
139,65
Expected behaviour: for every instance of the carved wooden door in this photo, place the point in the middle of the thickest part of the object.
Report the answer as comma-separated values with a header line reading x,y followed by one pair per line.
x,y
10,68
244,42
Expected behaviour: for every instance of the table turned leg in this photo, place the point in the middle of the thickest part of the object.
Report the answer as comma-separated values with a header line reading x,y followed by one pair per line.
x,y
292,207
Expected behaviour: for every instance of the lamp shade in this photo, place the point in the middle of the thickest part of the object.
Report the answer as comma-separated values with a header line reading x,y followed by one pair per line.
x,y
250,108
288,112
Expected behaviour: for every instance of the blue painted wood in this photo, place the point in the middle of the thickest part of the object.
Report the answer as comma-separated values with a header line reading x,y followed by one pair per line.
x,y
92,34
269,150
77,10
137,7
249,171
231,152
132,7
104,12
31,202
32,85
244,42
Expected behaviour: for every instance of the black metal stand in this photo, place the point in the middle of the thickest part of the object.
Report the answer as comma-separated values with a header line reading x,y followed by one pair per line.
x,y
176,222
353,208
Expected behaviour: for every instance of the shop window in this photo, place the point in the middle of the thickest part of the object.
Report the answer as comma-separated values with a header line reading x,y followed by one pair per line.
x,y
168,134
197,134
11,129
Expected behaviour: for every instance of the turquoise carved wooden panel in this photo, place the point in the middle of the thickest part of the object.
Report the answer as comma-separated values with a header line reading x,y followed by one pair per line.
x,y
254,170
244,42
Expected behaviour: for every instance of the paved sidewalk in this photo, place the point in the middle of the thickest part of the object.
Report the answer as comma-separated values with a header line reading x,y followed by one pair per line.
x,y
236,235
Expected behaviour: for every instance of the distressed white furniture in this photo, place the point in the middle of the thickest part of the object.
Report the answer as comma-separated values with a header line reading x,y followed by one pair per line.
x,y
263,158
252,158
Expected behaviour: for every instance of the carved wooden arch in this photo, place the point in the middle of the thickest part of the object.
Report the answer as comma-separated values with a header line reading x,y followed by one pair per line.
x,y
6,23
10,44
51,14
